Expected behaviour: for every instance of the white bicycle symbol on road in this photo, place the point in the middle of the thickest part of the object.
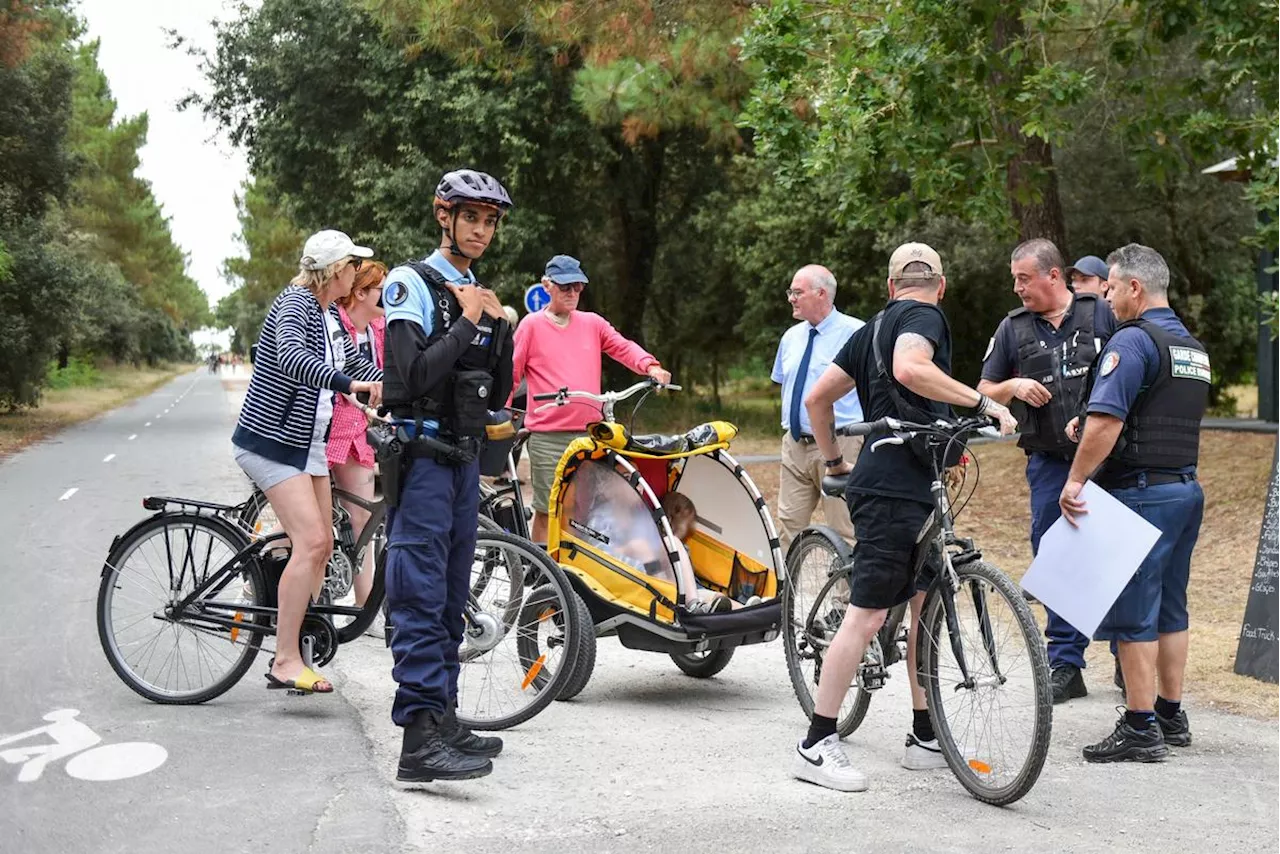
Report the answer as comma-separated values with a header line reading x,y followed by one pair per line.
x,y
108,762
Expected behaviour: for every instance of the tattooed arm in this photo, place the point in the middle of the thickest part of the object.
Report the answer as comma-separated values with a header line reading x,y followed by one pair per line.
x,y
913,367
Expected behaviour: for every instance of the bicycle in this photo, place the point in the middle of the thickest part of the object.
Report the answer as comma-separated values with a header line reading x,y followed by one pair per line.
x,y
979,656
187,600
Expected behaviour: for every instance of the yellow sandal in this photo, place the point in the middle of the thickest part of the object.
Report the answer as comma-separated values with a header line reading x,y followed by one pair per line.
x,y
305,683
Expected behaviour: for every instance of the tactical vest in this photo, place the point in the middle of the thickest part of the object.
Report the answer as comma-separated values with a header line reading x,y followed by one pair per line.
x,y
1062,369
461,401
1163,427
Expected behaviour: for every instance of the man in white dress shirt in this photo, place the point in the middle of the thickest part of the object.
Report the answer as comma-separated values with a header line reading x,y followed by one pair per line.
x,y
804,352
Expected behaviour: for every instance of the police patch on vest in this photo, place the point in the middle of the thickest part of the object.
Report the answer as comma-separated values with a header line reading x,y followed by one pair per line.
x,y
395,293
1190,364
1109,363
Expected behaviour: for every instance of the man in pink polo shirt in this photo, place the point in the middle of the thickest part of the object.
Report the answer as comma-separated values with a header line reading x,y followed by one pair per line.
x,y
560,347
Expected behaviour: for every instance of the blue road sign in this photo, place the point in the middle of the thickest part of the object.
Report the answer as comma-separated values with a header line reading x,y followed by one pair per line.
x,y
536,298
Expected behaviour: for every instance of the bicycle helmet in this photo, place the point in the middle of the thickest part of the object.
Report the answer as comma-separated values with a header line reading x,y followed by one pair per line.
x,y
467,185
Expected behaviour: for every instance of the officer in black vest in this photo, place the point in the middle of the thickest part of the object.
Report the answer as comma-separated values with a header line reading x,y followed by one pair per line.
x,y
1036,363
448,360
1141,442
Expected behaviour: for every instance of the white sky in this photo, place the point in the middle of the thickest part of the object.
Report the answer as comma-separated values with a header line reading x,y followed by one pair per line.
x,y
193,174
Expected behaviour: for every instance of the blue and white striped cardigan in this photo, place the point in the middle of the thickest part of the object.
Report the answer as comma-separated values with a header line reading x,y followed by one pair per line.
x,y
279,413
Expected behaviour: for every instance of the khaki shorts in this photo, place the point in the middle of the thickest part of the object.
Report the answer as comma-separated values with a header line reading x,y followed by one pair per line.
x,y
545,451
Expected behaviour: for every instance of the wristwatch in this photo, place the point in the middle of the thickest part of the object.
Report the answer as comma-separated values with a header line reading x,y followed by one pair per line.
x,y
833,463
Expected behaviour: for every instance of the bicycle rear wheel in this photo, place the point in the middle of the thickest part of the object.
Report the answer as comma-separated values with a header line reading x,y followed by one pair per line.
x,y
186,659
522,636
811,562
993,726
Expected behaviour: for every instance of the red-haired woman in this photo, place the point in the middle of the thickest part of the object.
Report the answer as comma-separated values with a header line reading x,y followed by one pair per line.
x,y
350,457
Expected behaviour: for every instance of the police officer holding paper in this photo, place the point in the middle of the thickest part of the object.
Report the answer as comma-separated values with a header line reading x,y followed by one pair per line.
x,y
1037,363
1141,442
448,358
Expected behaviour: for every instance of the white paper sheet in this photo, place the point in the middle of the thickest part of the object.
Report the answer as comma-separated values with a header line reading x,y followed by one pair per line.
x,y
1080,572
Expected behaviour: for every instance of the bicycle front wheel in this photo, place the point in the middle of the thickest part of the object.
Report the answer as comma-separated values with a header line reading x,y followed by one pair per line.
x,y
188,658
814,600
522,636
992,715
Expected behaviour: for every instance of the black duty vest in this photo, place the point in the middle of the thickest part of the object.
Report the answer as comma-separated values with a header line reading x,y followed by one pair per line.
x,y
441,401
1163,427
1062,369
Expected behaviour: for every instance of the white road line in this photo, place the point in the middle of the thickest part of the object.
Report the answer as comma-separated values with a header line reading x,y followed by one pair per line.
x,y
148,424
108,458
134,436
70,492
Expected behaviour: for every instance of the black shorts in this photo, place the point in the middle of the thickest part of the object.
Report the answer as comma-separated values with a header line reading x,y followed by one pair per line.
x,y
887,531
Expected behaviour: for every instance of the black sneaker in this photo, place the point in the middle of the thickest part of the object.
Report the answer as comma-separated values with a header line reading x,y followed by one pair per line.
x,y
1176,730
1127,744
1068,683
426,756
465,741
1118,678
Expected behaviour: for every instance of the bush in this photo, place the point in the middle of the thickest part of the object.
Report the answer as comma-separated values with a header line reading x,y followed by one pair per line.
x,y
77,374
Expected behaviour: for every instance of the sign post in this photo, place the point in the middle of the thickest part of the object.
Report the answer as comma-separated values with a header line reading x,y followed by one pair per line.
x,y
1256,655
536,298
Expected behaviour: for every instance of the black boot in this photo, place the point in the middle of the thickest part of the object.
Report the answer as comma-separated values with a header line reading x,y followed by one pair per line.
x,y
464,740
426,756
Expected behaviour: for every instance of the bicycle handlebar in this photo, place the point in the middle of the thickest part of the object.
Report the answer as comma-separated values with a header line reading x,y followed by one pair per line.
x,y
561,397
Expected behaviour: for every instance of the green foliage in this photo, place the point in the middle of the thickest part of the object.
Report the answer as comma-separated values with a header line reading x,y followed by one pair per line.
x,y
77,374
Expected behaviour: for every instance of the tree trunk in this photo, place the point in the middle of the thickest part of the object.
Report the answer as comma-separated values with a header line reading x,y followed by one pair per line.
x,y
636,177
1031,180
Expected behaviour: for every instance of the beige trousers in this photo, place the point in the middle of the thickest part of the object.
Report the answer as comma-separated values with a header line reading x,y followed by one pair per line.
x,y
800,487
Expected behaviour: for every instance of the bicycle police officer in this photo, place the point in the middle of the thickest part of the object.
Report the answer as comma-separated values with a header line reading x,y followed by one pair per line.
x,y
1036,363
1141,442
448,356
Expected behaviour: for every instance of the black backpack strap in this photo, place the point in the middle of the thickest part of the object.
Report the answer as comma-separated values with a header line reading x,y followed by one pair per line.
x,y
905,409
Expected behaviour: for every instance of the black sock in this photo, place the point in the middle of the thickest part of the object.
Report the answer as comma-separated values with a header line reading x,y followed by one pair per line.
x,y
921,726
1139,720
819,728
1167,708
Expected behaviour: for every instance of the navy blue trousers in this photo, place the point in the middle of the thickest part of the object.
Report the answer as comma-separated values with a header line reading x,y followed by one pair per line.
x,y
431,541
1046,476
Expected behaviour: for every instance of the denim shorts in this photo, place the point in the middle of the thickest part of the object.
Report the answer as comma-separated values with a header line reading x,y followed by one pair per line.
x,y
266,473
1154,602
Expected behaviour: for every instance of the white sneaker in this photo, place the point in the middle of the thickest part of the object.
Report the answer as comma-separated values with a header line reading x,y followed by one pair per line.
x,y
922,755
827,765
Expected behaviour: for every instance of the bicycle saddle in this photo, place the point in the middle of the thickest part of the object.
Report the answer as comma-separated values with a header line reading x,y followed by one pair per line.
x,y
834,485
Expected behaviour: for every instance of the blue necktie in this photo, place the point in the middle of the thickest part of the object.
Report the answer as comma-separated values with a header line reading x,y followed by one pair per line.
x,y
797,390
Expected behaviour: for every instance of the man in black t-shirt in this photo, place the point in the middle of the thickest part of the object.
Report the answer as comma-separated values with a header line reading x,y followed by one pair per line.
x,y
889,496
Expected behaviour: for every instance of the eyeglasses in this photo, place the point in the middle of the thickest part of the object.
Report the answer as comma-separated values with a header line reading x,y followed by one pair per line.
x,y
576,287
795,292
356,263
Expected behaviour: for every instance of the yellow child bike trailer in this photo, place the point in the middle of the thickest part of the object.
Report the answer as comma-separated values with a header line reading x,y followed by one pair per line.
x,y
610,533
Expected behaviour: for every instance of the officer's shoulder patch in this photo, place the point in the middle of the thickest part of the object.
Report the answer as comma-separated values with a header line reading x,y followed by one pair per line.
x,y
1109,363
396,293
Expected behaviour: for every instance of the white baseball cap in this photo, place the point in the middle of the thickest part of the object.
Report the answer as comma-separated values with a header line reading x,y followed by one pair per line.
x,y
328,247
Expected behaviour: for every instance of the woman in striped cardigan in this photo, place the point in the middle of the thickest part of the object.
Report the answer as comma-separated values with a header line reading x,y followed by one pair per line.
x,y
303,357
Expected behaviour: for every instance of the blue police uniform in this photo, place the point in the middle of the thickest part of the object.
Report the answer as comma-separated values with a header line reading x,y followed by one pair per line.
x,y
1047,470
431,539
1165,493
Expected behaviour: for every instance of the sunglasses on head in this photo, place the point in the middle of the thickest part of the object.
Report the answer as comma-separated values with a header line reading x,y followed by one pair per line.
x,y
576,287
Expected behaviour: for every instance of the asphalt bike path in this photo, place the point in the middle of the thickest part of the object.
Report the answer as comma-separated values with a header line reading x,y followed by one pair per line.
x,y
646,759
247,771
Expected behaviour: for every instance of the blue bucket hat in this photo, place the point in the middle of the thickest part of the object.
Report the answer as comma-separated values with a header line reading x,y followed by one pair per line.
x,y
1089,265
565,270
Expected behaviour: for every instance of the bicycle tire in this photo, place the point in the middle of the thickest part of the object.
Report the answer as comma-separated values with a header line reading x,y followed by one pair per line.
x,y
585,664
703,665
378,590
547,599
803,684
118,566
973,763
